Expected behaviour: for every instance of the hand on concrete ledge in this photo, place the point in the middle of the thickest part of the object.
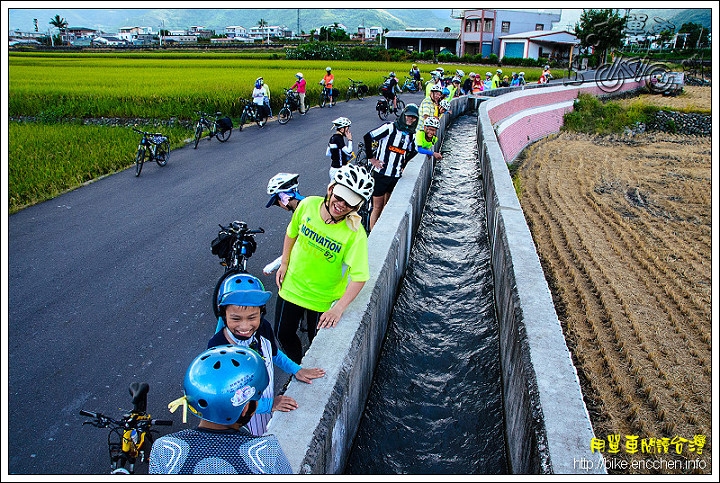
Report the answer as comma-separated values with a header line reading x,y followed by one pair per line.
x,y
307,375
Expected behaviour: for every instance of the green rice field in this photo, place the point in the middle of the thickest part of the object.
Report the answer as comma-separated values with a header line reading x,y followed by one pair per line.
x,y
50,95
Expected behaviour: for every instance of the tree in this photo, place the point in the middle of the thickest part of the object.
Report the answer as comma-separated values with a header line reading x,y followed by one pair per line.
x,y
601,29
59,22
697,35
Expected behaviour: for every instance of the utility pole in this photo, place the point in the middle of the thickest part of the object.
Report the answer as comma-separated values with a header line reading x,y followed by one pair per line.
x,y
298,22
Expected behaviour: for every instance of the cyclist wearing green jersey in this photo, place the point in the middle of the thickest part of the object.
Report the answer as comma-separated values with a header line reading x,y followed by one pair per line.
x,y
324,261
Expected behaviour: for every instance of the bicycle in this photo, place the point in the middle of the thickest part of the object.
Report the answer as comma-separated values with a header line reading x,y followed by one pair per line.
x,y
153,147
411,85
360,159
325,98
291,103
131,437
233,245
357,89
250,113
383,108
220,127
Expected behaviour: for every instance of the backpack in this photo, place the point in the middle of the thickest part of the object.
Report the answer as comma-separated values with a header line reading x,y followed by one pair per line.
x,y
222,244
225,124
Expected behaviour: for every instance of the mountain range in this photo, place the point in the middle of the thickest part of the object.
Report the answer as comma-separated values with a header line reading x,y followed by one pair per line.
x,y
111,19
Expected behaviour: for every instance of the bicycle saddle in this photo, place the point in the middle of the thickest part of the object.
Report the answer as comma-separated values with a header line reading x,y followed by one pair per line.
x,y
139,391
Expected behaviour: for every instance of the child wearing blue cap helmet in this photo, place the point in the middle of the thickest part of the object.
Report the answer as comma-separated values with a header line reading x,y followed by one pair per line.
x,y
242,300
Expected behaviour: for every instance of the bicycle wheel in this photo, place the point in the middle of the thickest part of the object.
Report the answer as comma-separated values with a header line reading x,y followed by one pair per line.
x,y
284,115
323,100
348,94
382,111
243,119
360,93
223,136
139,160
198,134
162,153
228,273
400,107
653,71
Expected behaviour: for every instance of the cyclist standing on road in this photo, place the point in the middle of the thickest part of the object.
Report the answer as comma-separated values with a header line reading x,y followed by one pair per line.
x,y
327,81
396,147
388,90
242,300
337,150
260,100
324,261
222,387
300,87
415,74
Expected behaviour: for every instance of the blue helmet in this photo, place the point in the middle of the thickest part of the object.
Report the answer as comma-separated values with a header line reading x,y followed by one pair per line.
x,y
220,381
244,290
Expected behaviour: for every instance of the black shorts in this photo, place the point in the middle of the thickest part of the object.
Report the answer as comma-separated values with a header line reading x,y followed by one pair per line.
x,y
389,95
383,184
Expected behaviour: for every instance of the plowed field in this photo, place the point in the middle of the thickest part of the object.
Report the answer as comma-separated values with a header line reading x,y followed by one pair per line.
x,y
622,226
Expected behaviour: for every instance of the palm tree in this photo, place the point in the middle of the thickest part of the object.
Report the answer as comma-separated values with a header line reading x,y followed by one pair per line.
x,y
262,23
59,22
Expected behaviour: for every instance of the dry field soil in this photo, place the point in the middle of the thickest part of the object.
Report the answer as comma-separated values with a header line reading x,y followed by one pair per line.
x,y
622,226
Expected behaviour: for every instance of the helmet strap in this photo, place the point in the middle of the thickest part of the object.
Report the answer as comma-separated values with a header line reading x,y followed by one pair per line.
x,y
326,204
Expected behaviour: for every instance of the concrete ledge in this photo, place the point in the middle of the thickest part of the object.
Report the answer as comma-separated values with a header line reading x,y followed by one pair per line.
x,y
547,426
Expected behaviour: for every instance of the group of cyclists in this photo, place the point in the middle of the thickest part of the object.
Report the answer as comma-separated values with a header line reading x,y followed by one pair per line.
x,y
323,267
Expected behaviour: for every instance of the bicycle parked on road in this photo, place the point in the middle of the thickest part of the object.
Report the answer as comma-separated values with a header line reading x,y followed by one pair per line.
x,y
360,159
291,103
131,437
325,96
220,127
250,113
411,85
357,89
233,245
383,107
152,147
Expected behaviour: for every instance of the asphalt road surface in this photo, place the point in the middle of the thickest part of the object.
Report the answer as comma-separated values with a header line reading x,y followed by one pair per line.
x,y
112,283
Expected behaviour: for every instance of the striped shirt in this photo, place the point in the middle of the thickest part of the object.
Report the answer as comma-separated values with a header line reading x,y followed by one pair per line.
x,y
395,148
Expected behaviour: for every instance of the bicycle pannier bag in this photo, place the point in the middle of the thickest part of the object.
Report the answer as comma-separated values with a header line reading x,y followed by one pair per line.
x,y
222,244
225,124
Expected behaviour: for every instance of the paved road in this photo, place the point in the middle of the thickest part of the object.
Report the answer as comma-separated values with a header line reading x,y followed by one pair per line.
x,y
112,283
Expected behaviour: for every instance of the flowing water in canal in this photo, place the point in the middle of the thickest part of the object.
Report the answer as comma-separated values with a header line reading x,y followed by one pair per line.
x,y
435,405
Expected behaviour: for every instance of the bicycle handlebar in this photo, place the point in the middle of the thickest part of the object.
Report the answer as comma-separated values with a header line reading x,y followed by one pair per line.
x,y
105,420
145,133
240,227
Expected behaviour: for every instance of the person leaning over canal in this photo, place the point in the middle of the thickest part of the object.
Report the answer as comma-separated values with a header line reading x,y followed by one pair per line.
x,y
427,138
324,260
222,387
241,323
396,147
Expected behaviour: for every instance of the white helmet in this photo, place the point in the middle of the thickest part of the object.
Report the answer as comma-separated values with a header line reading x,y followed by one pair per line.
x,y
299,75
488,74
445,104
282,182
328,69
547,67
435,73
522,74
440,69
472,74
459,73
432,122
499,71
436,88
341,122
356,179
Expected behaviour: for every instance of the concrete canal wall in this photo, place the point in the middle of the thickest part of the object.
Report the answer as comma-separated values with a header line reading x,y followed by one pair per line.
x,y
547,425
